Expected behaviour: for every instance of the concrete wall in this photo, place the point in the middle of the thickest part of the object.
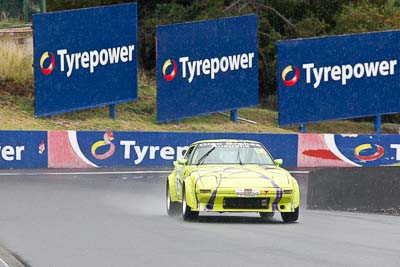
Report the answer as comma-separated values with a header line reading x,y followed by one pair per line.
x,y
368,189
19,36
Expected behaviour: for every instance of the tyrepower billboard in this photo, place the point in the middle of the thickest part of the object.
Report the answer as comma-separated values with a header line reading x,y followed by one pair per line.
x,y
85,58
206,66
338,77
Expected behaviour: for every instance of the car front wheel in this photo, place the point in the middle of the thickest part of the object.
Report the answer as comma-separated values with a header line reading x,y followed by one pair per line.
x,y
290,216
172,207
187,213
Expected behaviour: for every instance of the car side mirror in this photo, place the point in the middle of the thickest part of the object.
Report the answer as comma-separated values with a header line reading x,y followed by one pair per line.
x,y
182,161
278,162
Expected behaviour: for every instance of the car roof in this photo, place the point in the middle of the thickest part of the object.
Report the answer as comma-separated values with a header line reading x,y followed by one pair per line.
x,y
224,140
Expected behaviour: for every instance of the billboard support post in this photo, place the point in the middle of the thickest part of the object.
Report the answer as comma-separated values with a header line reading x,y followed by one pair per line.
x,y
302,128
43,6
113,111
234,116
377,124
25,9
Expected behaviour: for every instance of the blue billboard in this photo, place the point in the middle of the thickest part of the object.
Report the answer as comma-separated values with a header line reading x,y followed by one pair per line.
x,y
338,77
85,58
207,66
23,149
160,149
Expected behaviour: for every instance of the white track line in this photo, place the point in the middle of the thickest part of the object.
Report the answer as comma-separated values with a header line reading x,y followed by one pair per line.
x,y
98,173
5,263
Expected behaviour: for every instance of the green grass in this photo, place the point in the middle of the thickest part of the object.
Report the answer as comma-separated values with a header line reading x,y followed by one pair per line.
x,y
17,110
6,22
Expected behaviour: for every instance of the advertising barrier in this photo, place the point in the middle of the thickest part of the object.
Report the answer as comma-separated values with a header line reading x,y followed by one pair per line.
x,y
338,77
91,149
146,149
336,150
85,58
207,66
23,149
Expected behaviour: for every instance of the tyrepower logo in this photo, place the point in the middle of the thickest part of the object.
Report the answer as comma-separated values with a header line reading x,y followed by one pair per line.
x,y
371,152
338,73
49,69
295,77
358,152
190,69
70,62
108,137
168,65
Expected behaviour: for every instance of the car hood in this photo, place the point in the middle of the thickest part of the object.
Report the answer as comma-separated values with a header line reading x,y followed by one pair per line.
x,y
241,176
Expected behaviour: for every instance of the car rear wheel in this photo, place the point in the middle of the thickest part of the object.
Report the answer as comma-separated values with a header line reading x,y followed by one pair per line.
x,y
172,207
266,215
290,216
187,213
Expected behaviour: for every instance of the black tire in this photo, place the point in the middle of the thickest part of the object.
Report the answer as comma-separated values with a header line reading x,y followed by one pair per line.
x,y
187,213
289,217
172,207
266,215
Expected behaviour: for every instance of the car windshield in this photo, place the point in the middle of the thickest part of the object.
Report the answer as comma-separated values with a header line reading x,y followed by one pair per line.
x,y
231,153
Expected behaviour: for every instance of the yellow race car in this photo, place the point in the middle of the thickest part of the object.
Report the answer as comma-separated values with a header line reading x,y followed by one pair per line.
x,y
231,176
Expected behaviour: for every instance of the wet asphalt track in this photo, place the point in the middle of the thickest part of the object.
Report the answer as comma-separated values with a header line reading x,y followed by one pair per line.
x,y
119,220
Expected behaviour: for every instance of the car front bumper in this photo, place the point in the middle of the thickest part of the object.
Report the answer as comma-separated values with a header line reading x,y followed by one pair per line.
x,y
259,200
